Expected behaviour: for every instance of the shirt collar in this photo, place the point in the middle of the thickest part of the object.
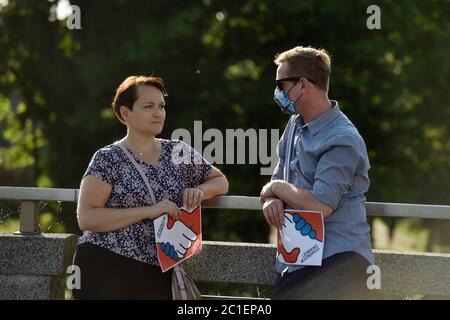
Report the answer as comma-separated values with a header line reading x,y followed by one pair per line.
x,y
322,121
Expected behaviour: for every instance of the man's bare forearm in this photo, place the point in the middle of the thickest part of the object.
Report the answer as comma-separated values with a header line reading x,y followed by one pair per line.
x,y
298,198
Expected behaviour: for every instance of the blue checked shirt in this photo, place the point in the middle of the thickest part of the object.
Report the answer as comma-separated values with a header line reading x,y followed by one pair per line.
x,y
329,157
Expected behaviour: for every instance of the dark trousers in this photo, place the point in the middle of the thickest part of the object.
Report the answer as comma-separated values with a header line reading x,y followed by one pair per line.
x,y
108,275
341,276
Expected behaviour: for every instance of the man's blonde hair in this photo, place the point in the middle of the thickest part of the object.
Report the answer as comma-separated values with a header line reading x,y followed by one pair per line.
x,y
308,62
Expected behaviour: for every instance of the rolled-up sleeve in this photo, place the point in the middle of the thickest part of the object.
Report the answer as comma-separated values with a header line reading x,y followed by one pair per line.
x,y
336,170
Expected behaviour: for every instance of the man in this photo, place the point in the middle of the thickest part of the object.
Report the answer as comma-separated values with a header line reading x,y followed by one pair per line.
x,y
323,166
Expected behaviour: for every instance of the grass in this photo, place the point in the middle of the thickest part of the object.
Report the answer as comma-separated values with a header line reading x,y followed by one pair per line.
x,y
47,221
9,225
405,238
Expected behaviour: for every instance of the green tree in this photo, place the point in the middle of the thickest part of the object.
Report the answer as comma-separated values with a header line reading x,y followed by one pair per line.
x,y
216,58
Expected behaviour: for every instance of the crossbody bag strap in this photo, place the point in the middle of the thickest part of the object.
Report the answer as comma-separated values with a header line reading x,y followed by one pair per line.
x,y
178,271
290,138
139,169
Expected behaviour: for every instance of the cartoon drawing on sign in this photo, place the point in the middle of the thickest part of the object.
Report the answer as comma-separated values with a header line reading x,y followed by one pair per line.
x,y
179,239
300,239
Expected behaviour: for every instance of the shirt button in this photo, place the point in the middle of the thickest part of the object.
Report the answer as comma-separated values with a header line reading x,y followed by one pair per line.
x,y
295,174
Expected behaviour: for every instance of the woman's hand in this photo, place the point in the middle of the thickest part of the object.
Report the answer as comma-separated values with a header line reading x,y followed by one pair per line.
x,y
192,197
163,207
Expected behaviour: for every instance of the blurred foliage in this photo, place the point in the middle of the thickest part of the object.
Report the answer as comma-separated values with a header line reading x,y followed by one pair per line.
x,y
216,58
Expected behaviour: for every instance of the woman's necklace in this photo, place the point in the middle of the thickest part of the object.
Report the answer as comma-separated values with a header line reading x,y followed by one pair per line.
x,y
140,154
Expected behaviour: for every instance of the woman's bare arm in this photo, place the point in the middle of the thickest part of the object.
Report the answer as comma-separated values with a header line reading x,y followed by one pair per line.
x,y
93,216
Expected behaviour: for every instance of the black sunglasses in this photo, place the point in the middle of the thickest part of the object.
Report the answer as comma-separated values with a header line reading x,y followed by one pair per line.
x,y
295,79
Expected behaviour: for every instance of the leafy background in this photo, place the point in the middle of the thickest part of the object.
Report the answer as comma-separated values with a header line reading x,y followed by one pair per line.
x,y
216,57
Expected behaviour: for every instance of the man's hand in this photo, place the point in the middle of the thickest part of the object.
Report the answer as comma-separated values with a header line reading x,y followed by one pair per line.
x,y
267,190
296,198
273,210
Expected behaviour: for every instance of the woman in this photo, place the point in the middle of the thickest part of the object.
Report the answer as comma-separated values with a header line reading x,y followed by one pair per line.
x,y
117,253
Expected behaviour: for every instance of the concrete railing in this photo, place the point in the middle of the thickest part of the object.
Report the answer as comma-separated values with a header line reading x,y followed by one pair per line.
x,y
29,259
253,263
34,267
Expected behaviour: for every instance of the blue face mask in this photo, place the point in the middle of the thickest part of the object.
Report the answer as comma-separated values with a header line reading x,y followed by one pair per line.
x,y
282,100
282,96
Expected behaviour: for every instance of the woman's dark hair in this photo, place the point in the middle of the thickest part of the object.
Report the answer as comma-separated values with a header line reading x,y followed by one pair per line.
x,y
126,93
